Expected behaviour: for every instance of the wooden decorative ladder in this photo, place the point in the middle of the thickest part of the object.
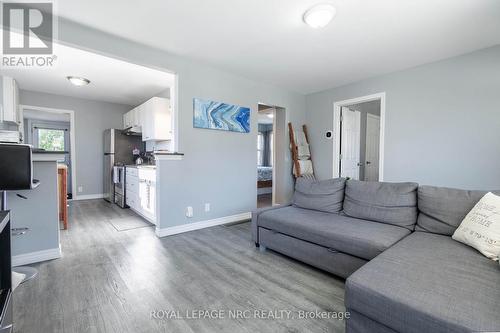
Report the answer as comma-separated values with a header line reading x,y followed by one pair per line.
x,y
297,172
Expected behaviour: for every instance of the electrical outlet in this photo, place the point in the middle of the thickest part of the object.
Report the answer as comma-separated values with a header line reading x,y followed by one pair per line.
x,y
80,189
207,207
189,211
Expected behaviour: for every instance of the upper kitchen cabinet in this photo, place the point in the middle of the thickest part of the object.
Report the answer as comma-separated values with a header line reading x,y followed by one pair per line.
x,y
156,119
127,123
132,121
10,101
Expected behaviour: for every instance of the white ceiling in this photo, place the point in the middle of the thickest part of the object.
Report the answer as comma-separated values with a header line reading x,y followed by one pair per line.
x,y
112,80
266,39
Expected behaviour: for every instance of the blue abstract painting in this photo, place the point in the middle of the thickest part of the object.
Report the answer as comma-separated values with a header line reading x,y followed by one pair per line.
x,y
220,116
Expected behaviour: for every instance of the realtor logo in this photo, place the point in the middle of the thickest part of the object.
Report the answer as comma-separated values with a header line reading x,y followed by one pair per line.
x,y
28,34
27,28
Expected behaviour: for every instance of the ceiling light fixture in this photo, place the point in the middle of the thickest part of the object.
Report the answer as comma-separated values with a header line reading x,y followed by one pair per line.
x,y
78,81
320,15
270,115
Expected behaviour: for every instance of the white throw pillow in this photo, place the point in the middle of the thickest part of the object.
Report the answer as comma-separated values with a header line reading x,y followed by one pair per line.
x,y
480,229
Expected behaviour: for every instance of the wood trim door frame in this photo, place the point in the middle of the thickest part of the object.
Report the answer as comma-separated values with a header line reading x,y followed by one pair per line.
x,y
71,136
336,130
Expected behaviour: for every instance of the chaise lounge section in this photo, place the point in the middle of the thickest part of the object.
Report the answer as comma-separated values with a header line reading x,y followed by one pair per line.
x,y
317,230
392,241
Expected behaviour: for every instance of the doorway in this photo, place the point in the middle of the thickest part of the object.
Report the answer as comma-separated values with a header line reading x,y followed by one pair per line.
x,y
358,146
271,152
265,155
51,130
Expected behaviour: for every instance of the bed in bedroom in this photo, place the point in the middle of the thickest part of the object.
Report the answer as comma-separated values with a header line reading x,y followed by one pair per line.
x,y
264,177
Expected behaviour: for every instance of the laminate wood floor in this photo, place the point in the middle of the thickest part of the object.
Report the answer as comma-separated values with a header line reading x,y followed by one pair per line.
x,y
111,281
264,200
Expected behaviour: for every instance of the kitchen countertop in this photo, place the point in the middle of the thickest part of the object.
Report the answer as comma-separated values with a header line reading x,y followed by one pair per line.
x,y
143,166
168,156
167,153
48,156
36,151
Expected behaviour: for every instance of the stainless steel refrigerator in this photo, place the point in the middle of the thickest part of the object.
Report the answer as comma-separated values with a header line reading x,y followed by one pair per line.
x,y
117,151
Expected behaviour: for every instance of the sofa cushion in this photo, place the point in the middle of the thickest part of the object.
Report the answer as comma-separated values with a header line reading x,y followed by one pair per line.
x,y
364,239
443,209
481,227
428,283
392,203
325,195
255,218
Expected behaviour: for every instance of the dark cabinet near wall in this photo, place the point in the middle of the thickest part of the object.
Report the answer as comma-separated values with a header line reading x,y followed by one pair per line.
x,y
6,319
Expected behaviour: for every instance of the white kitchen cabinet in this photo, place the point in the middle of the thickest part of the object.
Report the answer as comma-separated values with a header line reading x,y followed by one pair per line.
x,y
126,120
140,184
132,188
152,118
132,120
10,104
136,117
156,120
127,123
147,192
147,198
132,201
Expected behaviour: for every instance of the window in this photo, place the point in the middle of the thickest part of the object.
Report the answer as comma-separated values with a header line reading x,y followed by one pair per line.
x,y
51,139
260,149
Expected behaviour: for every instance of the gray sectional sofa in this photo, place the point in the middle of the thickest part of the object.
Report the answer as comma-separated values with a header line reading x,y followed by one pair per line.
x,y
392,242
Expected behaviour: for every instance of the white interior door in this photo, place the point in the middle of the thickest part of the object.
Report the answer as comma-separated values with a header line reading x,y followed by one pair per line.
x,y
372,147
350,143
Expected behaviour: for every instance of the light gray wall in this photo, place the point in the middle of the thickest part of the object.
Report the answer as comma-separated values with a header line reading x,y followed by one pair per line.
x,y
42,219
219,167
442,122
91,119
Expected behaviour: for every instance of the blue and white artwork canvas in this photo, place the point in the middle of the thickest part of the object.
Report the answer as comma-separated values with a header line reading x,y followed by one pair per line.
x,y
220,116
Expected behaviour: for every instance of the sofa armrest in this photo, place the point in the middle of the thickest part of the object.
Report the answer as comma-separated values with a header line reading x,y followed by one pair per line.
x,y
255,218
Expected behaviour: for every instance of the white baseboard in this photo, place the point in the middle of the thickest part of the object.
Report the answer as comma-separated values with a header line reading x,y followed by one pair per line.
x,y
178,229
89,196
32,257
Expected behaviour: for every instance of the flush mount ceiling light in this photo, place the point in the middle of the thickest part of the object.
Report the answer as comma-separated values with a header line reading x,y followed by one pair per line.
x,y
78,81
320,15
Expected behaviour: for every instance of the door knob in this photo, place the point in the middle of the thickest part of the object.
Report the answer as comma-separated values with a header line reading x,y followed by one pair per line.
x,y
360,163
368,162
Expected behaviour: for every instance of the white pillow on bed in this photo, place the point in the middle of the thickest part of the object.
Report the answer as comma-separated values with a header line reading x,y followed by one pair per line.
x,y
480,229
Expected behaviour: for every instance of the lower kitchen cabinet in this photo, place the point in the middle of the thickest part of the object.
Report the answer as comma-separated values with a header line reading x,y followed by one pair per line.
x,y
141,192
147,197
